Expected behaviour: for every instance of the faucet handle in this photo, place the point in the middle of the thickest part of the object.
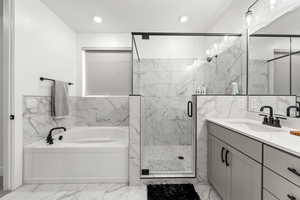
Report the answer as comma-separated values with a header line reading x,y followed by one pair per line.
x,y
266,120
264,115
278,117
277,121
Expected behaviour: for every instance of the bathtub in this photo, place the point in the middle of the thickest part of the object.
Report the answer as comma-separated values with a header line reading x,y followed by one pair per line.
x,y
84,155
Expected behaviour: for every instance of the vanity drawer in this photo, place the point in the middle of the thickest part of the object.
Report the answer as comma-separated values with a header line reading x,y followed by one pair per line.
x,y
282,163
244,144
279,187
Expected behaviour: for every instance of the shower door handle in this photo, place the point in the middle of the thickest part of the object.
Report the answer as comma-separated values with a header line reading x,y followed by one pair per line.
x,y
190,108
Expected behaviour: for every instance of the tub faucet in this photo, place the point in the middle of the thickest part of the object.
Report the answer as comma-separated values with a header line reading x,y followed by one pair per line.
x,y
49,138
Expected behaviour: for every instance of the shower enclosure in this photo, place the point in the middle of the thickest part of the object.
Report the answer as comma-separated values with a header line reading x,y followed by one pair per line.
x,y
169,70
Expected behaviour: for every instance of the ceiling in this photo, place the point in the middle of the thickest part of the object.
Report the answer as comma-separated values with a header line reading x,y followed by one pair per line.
x,y
286,24
138,15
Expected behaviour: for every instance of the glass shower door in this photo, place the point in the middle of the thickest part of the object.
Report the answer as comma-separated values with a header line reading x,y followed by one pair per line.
x,y
168,141
167,137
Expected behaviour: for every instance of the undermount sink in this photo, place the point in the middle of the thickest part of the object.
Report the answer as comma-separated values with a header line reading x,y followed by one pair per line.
x,y
256,127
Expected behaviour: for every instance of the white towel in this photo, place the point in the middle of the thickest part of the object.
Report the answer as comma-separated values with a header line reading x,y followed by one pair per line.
x,y
59,99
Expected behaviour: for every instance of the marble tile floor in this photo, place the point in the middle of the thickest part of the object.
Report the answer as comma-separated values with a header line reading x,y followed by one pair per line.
x,y
93,192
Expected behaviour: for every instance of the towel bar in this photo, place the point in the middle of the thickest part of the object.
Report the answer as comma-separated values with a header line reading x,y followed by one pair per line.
x,y
48,79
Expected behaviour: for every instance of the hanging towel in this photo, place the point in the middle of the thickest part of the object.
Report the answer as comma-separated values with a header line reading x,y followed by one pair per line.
x,y
59,99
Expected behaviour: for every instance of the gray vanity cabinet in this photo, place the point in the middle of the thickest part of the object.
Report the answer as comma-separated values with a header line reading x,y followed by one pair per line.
x,y
234,174
218,173
245,177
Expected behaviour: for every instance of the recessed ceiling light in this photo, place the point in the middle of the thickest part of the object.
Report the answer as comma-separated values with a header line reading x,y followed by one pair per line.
x,y
183,19
98,19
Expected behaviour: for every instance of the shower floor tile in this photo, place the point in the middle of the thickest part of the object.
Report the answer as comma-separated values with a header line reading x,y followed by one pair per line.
x,y
165,158
92,192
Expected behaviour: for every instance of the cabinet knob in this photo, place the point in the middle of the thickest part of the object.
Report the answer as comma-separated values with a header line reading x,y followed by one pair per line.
x,y
222,154
226,158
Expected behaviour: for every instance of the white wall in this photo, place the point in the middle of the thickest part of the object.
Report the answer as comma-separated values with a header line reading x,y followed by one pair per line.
x,y
44,46
233,19
1,88
104,40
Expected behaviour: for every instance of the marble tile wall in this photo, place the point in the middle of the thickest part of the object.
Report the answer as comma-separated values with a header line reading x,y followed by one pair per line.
x,y
168,84
216,107
279,103
259,79
84,111
181,77
134,140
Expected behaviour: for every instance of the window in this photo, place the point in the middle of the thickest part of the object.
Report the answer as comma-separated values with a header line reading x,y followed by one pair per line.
x,y
107,72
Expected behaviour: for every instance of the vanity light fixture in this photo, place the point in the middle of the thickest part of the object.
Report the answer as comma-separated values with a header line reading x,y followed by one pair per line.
x,y
249,16
183,19
97,19
249,13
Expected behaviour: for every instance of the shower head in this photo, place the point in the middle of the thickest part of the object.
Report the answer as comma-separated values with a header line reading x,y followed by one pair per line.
x,y
209,59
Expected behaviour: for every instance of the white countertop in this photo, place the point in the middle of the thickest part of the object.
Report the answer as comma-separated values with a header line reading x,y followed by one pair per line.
x,y
276,137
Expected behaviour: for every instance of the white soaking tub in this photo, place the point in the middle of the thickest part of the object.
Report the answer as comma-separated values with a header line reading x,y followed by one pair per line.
x,y
84,155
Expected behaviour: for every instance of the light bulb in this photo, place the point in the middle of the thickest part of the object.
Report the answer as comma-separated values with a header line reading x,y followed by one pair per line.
x,y
249,16
208,52
273,3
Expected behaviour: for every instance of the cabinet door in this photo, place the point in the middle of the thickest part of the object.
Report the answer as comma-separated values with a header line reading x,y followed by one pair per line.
x,y
268,196
245,177
218,173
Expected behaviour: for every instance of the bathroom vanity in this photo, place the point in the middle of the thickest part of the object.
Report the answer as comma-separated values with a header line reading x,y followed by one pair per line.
x,y
249,161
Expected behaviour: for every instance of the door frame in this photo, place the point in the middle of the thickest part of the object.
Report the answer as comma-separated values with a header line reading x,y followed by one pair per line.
x,y
8,93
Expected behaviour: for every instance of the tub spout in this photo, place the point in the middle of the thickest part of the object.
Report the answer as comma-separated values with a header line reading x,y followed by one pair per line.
x,y
49,138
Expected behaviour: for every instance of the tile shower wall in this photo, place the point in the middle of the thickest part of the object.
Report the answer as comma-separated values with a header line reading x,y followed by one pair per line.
x,y
91,111
259,80
181,77
278,103
168,84
214,107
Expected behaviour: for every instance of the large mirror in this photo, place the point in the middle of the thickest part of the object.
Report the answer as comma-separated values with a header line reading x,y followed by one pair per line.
x,y
274,66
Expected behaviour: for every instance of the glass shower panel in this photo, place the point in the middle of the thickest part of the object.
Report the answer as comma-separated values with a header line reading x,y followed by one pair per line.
x,y
164,77
167,72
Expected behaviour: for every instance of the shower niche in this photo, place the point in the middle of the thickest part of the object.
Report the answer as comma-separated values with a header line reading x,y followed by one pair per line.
x,y
169,71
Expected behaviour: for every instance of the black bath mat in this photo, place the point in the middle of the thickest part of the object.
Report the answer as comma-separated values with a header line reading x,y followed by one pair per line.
x,y
172,192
